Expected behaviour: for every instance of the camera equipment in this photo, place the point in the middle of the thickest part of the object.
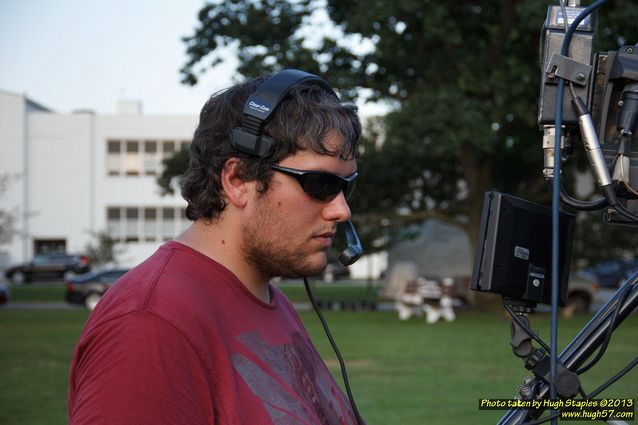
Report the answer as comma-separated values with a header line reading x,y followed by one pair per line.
x,y
615,111
606,84
513,258
613,98
595,335
576,67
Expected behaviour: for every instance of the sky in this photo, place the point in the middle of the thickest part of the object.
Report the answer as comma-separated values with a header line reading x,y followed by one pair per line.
x,y
87,54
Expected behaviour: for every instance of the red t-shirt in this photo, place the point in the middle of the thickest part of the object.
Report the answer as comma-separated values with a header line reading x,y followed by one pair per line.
x,y
180,340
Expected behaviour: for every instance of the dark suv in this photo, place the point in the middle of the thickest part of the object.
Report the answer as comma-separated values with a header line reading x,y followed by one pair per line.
x,y
87,289
612,273
48,266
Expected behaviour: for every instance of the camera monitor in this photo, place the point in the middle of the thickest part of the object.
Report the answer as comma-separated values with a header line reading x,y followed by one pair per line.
x,y
514,254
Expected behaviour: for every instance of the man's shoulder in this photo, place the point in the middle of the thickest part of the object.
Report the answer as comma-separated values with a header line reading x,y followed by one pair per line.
x,y
175,278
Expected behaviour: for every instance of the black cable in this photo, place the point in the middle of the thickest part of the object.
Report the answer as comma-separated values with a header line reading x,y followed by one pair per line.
x,y
594,393
620,209
524,326
342,364
555,198
582,393
614,378
593,205
563,9
610,331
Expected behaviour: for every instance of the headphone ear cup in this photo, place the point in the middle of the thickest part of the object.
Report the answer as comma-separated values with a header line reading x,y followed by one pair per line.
x,y
249,143
265,145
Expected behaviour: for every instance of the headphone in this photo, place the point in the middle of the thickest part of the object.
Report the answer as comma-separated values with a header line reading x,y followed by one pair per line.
x,y
261,105
259,109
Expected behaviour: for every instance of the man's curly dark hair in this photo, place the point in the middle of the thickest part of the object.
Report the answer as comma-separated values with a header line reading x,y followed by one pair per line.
x,y
302,121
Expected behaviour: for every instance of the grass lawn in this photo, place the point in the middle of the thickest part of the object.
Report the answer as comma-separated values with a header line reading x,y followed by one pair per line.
x,y
294,290
411,373
341,291
35,293
35,354
401,373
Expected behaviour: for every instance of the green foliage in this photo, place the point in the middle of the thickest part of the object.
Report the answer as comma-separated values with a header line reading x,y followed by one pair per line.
x,y
461,79
103,250
174,167
7,218
7,226
597,241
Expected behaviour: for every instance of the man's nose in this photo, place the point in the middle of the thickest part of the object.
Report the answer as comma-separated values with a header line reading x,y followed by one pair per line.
x,y
337,209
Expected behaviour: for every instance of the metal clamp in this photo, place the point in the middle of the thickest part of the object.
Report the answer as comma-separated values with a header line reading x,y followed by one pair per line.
x,y
569,69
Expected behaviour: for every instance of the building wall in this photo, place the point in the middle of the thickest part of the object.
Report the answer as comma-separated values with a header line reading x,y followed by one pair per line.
x,y
59,184
61,177
12,146
140,192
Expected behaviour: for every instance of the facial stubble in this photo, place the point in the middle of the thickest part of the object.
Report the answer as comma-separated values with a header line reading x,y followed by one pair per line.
x,y
272,254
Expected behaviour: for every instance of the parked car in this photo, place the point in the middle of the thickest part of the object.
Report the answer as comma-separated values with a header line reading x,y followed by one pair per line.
x,y
582,288
48,266
593,286
5,294
612,273
334,271
87,289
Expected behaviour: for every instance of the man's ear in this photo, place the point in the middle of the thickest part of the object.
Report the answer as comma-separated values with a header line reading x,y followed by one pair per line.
x,y
235,189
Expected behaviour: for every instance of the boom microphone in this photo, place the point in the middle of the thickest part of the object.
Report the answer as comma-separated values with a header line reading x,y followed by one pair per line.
x,y
354,249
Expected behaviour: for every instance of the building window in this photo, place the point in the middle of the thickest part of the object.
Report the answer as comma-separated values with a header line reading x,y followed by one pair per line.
x,y
145,223
151,160
113,220
131,232
150,224
113,157
168,223
140,157
132,161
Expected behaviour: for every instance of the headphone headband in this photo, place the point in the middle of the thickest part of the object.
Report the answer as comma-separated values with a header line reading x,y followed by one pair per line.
x,y
261,105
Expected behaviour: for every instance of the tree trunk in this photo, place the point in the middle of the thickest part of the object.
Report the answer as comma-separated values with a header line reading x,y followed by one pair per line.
x,y
478,175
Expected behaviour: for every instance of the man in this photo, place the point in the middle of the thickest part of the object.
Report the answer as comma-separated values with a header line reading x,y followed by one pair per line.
x,y
196,334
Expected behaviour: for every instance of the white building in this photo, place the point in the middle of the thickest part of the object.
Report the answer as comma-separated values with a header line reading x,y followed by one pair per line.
x,y
72,175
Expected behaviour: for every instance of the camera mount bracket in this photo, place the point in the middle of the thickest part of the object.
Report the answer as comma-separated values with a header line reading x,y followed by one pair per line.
x,y
568,69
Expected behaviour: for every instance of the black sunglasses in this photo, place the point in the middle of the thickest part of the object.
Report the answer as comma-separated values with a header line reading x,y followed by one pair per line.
x,y
320,185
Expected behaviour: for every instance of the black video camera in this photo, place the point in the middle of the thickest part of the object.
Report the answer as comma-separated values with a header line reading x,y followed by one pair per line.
x,y
607,82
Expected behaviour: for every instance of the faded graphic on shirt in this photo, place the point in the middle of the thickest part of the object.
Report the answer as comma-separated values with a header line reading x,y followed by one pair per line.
x,y
291,383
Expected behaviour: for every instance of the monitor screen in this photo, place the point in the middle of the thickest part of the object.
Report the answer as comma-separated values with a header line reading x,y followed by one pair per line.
x,y
514,252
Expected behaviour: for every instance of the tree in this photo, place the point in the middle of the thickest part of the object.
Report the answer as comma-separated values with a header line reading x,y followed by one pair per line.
x,y
596,241
461,80
174,166
102,250
7,218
